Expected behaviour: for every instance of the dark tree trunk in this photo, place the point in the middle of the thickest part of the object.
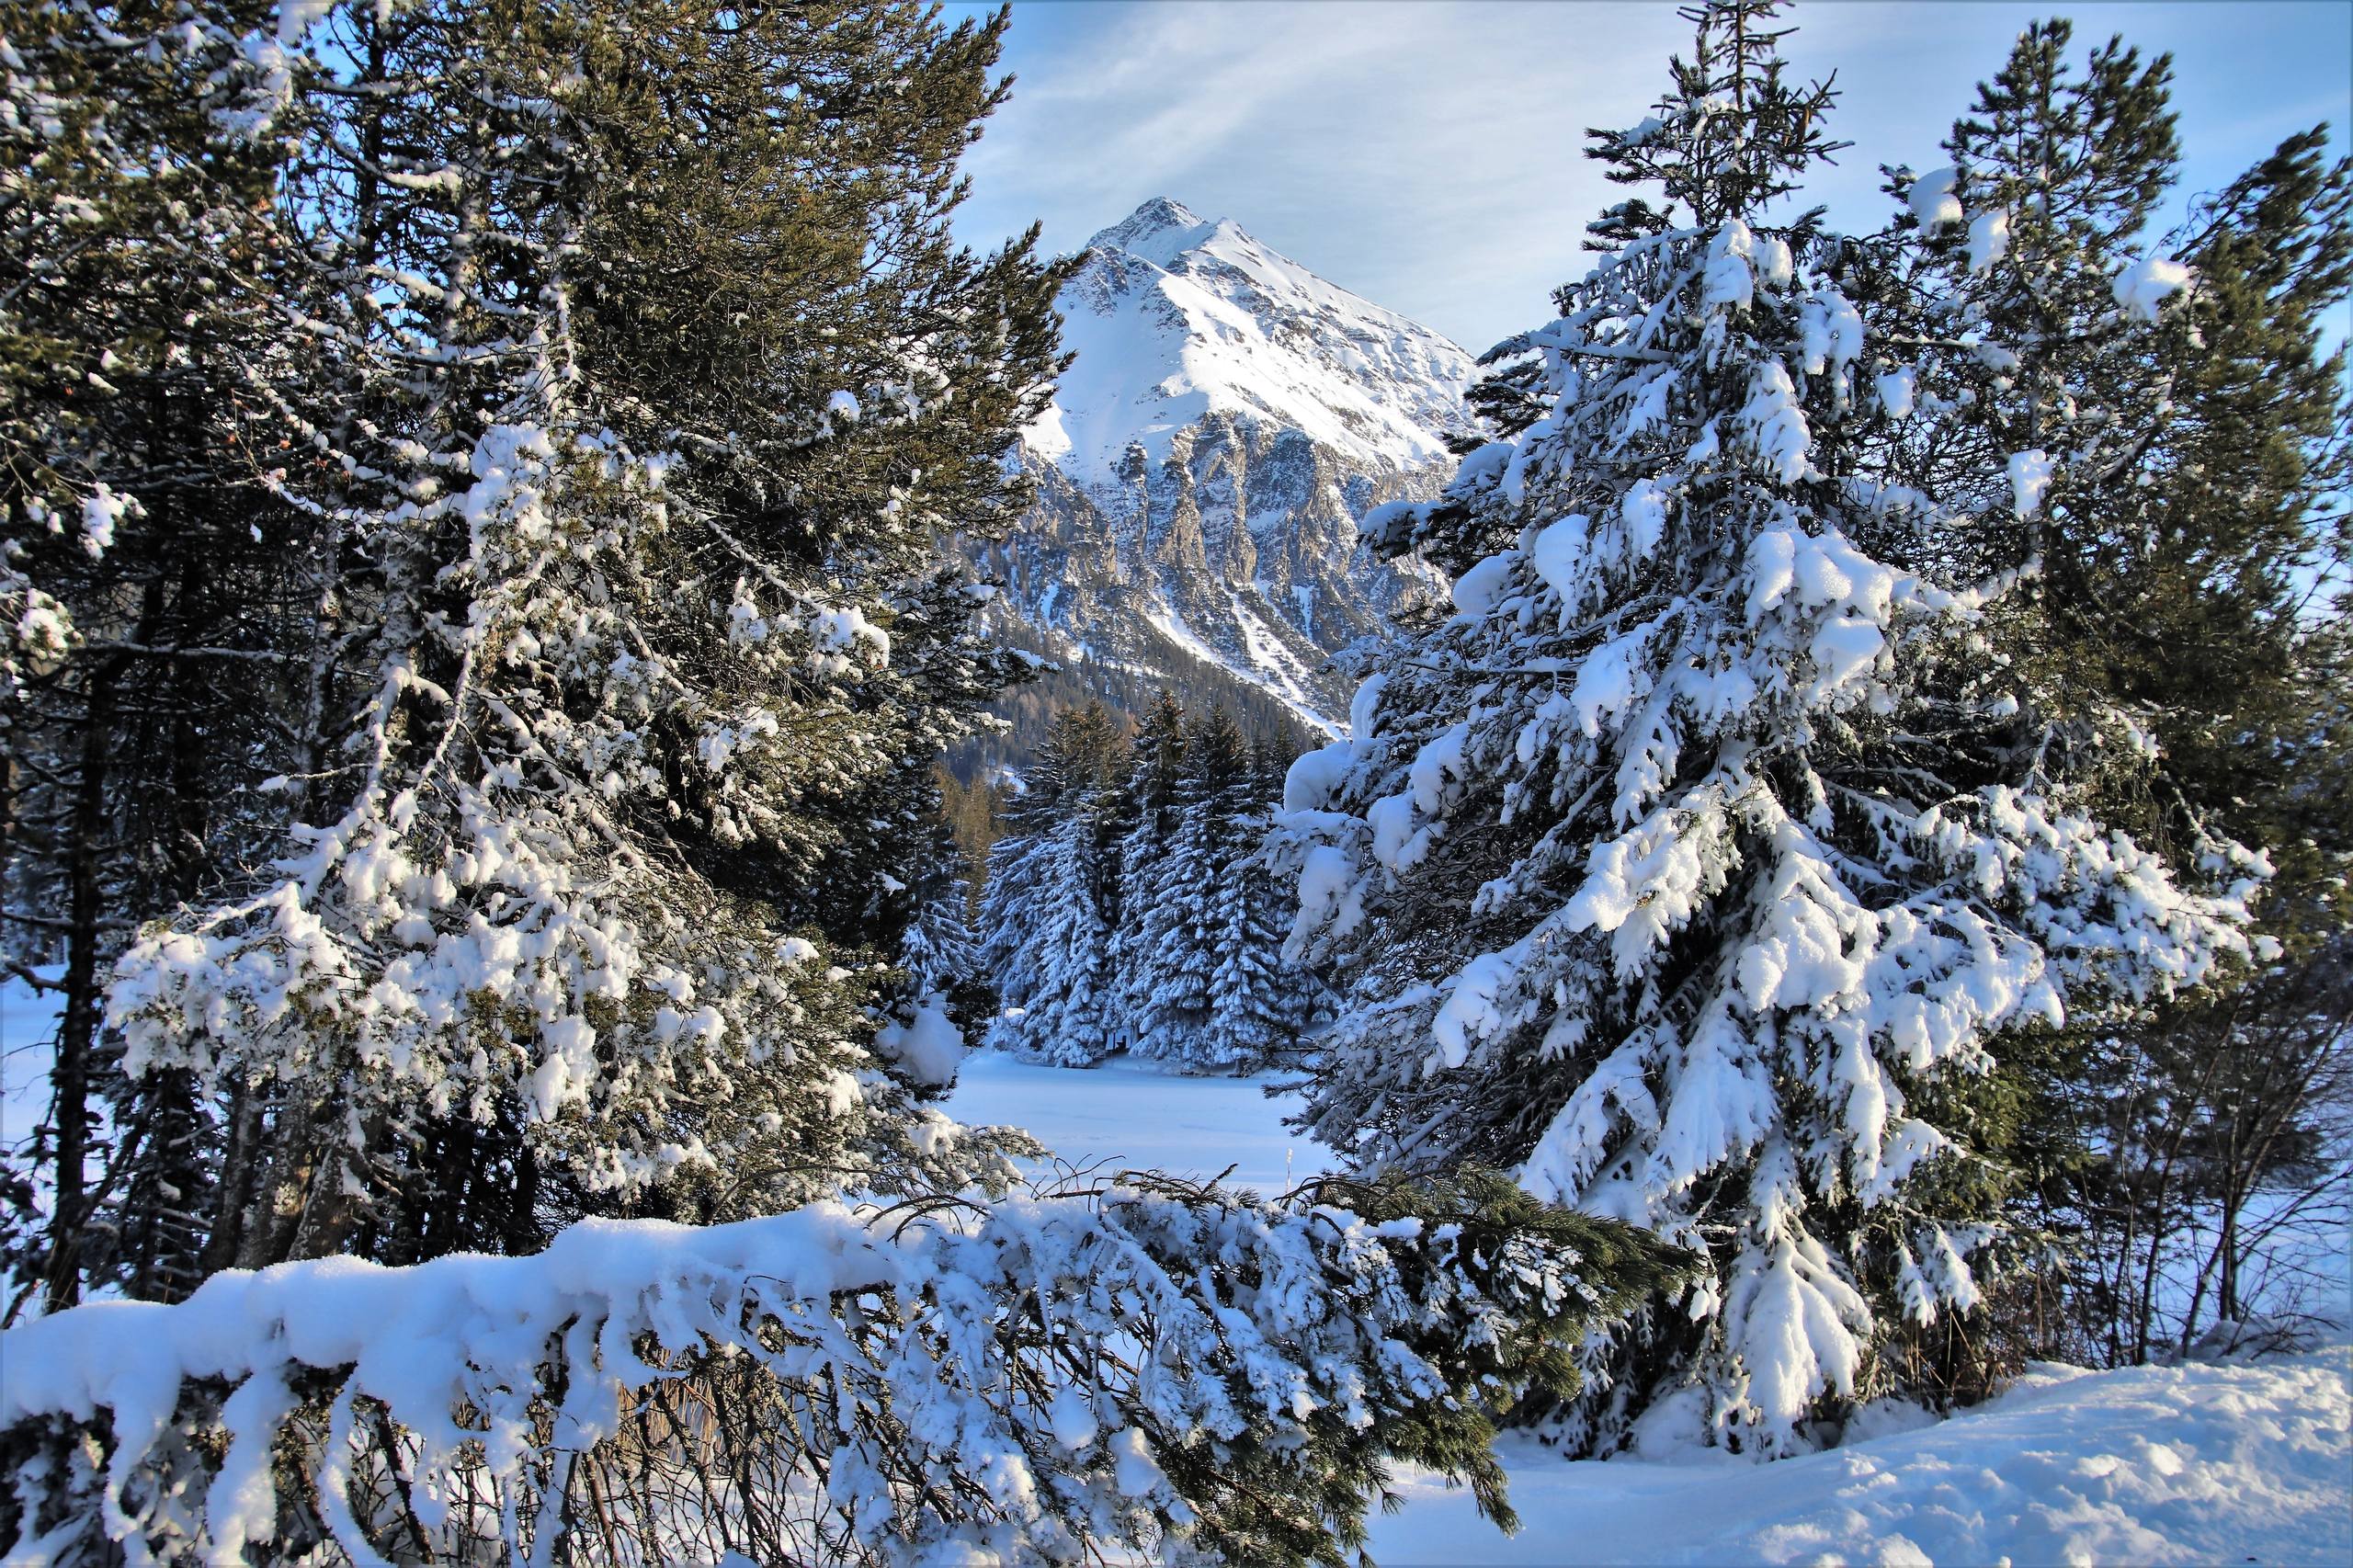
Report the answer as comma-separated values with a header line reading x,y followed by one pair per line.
x,y
234,1193
77,1032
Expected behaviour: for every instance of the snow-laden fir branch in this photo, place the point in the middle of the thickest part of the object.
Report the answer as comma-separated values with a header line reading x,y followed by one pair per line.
x,y
1145,1366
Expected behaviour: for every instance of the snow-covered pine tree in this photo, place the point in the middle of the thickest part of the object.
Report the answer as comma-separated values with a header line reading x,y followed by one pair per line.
x,y
1141,1369
944,999
1050,913
1664,869
1305,1003
938,953
1178,941
630,464
2169,656
2009,374
1213,990
2057,357
2031,372
1259,1002
2244,587
1151,806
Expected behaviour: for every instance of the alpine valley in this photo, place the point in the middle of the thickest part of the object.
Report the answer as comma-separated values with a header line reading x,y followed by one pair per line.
x,y
1230,418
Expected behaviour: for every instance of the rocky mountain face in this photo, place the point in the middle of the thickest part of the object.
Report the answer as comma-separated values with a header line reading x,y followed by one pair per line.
x,y
1230,418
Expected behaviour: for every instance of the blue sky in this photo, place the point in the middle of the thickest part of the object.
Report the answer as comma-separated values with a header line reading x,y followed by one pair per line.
x,y
1429,156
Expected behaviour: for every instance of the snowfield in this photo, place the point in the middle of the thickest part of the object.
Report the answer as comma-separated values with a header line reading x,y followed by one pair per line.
x,y
2232,1463
1129,1114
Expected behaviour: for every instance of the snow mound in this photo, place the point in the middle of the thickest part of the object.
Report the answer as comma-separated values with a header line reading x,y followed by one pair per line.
x,y
2148,283
928,1045
2247,1462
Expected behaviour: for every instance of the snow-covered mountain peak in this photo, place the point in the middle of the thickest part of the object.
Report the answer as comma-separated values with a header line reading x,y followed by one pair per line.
x,y
1270,411
1175,316
1157,231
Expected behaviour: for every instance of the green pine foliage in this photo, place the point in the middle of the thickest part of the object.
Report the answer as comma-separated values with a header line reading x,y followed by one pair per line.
x,y
2189,565
480,496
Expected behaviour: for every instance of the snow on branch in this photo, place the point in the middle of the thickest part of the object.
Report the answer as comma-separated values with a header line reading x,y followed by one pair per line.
x,y
1145,1365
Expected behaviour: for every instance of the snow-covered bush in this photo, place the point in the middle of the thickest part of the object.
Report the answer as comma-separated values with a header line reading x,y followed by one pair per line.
x,y
1680,867
1145,1367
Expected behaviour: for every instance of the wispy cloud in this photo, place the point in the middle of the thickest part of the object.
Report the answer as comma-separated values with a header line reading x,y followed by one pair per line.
x,y
1430,156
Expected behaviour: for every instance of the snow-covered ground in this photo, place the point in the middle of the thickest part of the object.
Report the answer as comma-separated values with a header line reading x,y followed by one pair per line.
x,y
2200,1463
1133,1115
2190,1464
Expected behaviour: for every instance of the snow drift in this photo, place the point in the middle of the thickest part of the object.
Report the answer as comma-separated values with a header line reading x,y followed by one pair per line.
x,y
2190,1464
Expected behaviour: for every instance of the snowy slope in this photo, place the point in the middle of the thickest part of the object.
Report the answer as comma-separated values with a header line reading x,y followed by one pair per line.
x,y
1230,418
2192,1464
2238,1463
1175,317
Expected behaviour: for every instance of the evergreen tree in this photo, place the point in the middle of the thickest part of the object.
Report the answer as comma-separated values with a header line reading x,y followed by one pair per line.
x,y
1212,988
939,956
1050,910
1259,1003
1674,868
2242,588
2183,422
1180,934
155,594
939,952
1148,877
2032,369
2239,587
574,480
1169,1372
974,812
